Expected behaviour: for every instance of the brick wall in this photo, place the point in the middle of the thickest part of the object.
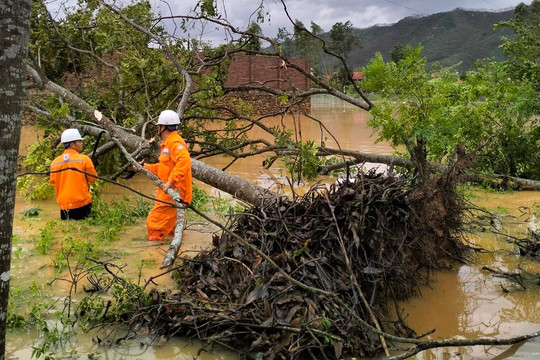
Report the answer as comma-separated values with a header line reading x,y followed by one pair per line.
x,y
269,72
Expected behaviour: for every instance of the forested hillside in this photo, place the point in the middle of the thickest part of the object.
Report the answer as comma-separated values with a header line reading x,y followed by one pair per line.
x,y
448,38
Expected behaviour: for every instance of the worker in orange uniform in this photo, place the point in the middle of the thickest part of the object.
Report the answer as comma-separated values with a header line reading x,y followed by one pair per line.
x,y
174,169
72,187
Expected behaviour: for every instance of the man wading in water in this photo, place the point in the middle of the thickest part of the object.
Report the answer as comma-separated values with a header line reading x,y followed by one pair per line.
x,y
174,169
72,187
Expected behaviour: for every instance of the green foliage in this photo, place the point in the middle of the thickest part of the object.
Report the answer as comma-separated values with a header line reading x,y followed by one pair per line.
x,y
47,238
225,208
303,162
513,127
38,159
218,206
536,209
502,209
414,106
208,7
15,320
107,163
15,250
128,298
75,252
483,112
251,40
307,45
515,84
125,299
285,41
54,338
200,198
32,212
114,215
397,53
26,306
211,88
131,76
90,310
524,47
54,60
343,39
300,159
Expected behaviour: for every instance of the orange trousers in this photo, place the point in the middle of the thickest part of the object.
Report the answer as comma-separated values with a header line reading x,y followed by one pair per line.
x,y
160,221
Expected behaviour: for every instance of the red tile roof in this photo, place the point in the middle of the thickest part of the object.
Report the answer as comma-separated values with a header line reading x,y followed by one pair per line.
x,y
357,76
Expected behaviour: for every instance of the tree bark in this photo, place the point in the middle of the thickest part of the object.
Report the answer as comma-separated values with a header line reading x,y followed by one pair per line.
x,y
360,157
238,187
15,25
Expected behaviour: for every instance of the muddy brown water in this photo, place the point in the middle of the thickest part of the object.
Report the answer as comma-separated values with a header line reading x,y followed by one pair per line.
x,y
467,302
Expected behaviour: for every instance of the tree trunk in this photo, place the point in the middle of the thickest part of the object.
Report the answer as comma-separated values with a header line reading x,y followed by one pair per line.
x,y
238,187
15,25
360,157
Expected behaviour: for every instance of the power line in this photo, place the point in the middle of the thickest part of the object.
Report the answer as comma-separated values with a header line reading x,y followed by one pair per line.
x,y
422,13
406,7
492,4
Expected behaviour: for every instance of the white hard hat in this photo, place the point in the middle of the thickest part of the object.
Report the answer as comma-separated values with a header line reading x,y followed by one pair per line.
x,y
168,117
70,135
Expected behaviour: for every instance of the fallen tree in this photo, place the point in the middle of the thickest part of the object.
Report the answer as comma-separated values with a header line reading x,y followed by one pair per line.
x,y
380,233
313,276
191,80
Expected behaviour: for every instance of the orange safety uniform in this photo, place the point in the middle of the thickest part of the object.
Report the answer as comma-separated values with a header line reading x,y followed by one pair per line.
x,y
174,166
71,187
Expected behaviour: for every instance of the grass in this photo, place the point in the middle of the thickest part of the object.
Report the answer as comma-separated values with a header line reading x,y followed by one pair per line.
x,y
111,217
63,253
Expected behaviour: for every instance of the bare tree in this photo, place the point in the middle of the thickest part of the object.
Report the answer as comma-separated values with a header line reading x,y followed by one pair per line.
x,y
15,24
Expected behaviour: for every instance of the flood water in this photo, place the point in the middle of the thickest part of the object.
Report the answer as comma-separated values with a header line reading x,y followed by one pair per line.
x,y
467,302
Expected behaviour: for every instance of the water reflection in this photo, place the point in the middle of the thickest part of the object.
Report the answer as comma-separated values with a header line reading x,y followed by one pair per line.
x,y
470,302
347,130
178,349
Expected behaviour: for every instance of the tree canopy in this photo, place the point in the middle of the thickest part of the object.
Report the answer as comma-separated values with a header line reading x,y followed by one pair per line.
x,y
126,63
104,68
491,112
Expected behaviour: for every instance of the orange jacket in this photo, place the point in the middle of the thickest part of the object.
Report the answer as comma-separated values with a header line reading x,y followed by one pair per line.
x,y
71,187
174,166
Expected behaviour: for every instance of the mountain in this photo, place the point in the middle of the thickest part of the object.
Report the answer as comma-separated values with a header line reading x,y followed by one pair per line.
x,y
448,37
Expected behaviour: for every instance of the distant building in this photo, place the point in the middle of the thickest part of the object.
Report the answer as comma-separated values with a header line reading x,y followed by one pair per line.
x,y
357,76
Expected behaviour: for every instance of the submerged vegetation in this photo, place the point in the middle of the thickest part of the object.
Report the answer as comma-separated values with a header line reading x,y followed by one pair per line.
x,y
307,276
76,252
272,275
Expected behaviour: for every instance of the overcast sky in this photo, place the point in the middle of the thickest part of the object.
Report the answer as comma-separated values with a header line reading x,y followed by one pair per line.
x,y
325,13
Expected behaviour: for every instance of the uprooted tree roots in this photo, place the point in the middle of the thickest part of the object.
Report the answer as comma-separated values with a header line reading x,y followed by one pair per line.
x,y
311,277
